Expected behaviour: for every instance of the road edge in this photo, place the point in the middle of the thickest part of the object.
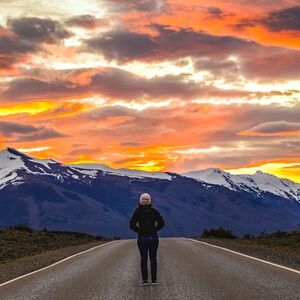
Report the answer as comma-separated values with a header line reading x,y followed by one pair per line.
x,y
54,264
245,255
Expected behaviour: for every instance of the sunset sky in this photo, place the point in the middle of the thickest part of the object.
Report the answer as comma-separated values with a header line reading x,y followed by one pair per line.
x,y
154,85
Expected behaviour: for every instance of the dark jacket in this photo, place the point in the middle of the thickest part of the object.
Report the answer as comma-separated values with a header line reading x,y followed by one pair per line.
x,y
148,218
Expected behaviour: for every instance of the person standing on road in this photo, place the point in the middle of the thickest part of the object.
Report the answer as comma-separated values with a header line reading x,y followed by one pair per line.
x,y
150,222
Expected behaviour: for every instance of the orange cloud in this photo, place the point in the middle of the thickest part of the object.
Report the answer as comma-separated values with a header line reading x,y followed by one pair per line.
x,y
228,16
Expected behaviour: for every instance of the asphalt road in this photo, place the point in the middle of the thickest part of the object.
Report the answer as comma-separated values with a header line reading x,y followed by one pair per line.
x,y
186,270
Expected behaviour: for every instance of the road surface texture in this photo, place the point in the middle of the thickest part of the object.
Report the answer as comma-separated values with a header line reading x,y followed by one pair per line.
x,y
186,270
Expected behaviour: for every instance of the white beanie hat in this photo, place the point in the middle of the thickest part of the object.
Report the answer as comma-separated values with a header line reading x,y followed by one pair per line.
x,y
145,199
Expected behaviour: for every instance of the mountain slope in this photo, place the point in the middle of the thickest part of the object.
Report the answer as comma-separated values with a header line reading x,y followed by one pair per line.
x,y
46,193
257,183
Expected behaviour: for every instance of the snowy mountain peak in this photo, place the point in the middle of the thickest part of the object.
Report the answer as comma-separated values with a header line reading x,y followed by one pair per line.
x,y
9,152
258,182
11,161
15,166
10,157
210,175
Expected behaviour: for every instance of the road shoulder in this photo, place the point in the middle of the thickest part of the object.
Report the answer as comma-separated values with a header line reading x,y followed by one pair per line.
x,y
24,265
275,255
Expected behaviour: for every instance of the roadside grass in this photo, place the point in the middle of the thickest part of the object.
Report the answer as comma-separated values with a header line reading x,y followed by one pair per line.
x,y
280,240
21,240
279,247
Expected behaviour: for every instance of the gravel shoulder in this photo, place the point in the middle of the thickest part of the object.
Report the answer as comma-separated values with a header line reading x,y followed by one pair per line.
x,y
279,255
24,265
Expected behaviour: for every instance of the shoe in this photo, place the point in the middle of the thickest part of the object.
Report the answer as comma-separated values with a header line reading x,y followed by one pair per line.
x,y
144,283
154,282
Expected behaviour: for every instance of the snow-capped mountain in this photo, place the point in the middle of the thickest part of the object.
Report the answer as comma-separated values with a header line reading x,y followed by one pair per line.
x,y
257,183
14,165
12,161
98,199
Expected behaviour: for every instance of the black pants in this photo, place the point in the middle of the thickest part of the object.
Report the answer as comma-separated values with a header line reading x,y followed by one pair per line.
x,y
150,245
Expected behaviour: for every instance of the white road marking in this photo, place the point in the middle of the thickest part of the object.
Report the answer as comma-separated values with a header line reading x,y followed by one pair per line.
x,y
56,263
245,255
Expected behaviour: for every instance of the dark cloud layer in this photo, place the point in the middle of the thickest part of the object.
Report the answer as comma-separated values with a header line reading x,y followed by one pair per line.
x,y
14,45
43,134
167,44
275,127
104,82
13,49
29,89
147,5
109,111
86,21
138,5
39,30
22,132
285,19
279,20
220,68
122,45
216,12
9,128
131,86
255,115
24,37
209,52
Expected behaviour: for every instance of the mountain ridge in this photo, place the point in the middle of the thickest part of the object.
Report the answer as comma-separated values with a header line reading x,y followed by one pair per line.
x,y
48,194
258,182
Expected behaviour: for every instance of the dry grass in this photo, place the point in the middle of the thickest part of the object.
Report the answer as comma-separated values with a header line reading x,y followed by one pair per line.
x,y
21,241
280,247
